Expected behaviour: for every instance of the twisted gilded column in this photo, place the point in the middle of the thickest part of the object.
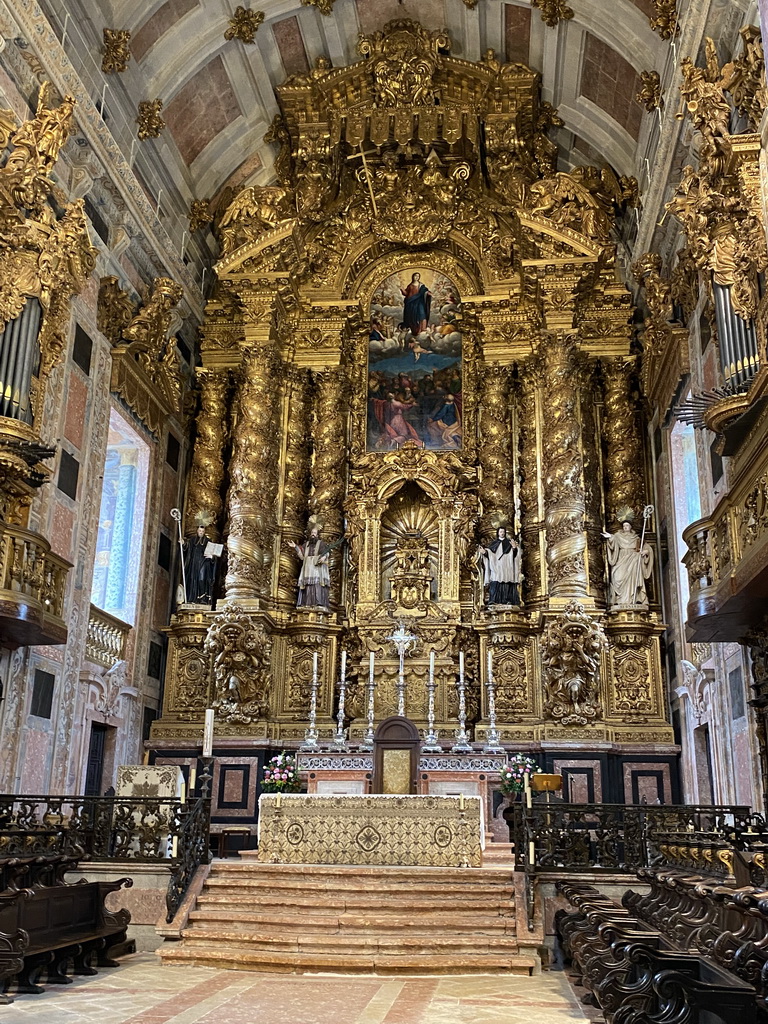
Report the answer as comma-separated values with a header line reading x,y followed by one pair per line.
x,y
253,473
207,473
527,400
295,487
591,395
564,497
495,446
623,440
329,464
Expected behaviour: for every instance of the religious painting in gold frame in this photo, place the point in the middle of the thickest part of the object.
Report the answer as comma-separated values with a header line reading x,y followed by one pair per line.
x,y
415,362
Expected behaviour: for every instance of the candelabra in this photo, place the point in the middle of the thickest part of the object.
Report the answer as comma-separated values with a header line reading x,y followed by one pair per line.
x,y
431,743
404,643
310,736
462,744
492,739
367,743
340,739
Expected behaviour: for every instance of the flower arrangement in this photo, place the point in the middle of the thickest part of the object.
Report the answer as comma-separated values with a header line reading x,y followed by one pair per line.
x,y
513,775
281,775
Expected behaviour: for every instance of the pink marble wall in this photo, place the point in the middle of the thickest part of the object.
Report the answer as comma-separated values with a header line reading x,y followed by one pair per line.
x,y
76,409
34,770
202,109
612,83
517,33
290,46
577,778
165,17
62,528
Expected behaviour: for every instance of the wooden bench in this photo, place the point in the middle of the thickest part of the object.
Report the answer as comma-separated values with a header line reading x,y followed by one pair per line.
x,y
636,974
62,923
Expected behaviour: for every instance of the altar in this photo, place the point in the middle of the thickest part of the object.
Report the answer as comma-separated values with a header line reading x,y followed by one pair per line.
x,y
375,829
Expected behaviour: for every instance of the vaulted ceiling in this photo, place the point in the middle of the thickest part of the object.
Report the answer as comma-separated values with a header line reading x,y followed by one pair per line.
x,y
218,95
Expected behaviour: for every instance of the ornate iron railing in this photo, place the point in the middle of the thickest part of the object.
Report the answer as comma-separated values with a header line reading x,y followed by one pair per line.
x,y
159,830
614,837
106,638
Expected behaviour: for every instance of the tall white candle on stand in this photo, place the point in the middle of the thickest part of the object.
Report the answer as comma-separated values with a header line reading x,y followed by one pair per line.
x,y
370,668
314,669
461,666
208,733
490,665
431,667
343,665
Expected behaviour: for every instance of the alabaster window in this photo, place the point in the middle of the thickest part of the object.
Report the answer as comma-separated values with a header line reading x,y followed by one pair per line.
x,y
121,521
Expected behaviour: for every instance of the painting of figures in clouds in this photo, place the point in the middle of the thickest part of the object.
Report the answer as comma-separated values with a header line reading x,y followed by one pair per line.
x,y
414,362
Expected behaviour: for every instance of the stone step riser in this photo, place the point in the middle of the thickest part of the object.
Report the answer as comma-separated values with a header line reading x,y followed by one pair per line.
x,y
347,885
426,924
384,964
369,946
339,907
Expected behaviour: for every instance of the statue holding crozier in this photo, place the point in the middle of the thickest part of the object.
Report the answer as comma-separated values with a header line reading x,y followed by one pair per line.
x,y
630,561
199,555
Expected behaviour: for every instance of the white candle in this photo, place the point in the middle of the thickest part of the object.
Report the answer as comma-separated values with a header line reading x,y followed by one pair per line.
x,y
192,777
208,733
370,668
490,666
343,665
314,667
461,801
531,853
175,847
461,665
279,797
431,667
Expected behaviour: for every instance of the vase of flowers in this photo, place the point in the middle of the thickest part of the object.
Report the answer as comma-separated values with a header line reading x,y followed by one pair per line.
x,y
281,775
513,775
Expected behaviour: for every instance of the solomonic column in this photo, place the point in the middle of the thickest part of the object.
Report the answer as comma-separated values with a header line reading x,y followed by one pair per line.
x,y
329,464
527,400
623,440
293,518
496,446
207,473
253,475
563,462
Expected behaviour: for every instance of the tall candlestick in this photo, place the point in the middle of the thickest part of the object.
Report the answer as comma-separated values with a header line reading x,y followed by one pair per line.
x,y
492,739
340,739
310,736
431,743
368,742
208,733
462,744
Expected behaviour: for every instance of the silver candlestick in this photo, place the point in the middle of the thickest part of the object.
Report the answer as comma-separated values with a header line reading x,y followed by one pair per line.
x,y
404,643
431,743
492,738
310,736
367,743
462,744
340,739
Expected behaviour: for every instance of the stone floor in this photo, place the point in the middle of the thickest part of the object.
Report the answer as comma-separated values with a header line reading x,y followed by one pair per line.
x,y
141,991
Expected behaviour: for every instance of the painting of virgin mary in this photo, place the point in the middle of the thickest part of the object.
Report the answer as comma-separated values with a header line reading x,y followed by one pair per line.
x,y
415,363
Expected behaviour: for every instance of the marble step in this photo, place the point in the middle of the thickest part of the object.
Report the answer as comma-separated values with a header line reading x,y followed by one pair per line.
x,y
218,879
367,945
251,920
248,864
337,904
233,957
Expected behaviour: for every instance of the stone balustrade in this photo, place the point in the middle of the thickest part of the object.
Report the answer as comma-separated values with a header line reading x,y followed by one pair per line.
x,y
106,638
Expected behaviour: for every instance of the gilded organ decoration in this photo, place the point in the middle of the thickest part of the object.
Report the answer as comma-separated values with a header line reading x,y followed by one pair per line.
x,y
414,363
419,328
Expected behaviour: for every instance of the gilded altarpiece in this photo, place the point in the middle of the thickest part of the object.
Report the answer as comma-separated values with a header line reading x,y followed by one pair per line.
x,y
428,342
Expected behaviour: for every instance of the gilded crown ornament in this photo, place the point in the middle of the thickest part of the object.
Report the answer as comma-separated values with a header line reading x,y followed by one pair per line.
x,y
117,51
199,214
244,24
149,120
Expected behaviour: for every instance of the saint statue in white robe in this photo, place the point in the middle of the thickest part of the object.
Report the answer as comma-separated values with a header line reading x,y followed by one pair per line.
x,y
314,578
630,566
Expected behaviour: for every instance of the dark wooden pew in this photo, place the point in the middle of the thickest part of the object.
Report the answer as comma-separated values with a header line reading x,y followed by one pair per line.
x,y
62,923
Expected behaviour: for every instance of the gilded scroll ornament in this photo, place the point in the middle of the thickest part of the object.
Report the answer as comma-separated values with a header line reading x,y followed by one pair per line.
x,y
251,213
117,51
149,120
115,309
403,59
744,78
199,214
650,94
571,650
664,18
7,126
244,24
553,11
240,649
